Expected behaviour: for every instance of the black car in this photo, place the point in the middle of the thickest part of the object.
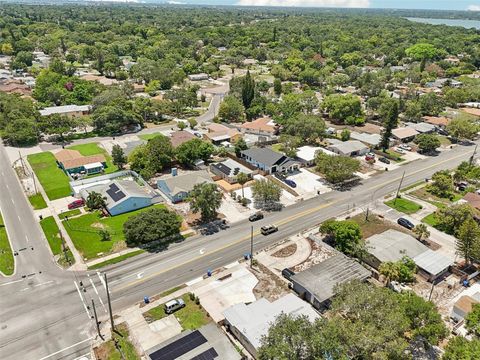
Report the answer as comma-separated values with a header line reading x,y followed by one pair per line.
x,y
405,223
287,273
256,217
384,160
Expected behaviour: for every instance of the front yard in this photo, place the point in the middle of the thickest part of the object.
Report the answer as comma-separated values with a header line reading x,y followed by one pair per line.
x,y
94,149
403,205
37,201
53,179
7,263
83,231
191,317
375,225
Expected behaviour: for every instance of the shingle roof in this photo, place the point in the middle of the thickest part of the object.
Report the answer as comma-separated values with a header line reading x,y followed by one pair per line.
x,y
84,160
186,182
264,155
177,138
404,132
322,278
262,124
64,109
348,147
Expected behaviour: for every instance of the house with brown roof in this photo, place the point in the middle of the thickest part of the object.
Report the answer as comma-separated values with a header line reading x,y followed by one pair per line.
x,y
473,199
261,126
218,133
471,111
439,121
177,138
404,134
16,88
72,162
463,307
101,79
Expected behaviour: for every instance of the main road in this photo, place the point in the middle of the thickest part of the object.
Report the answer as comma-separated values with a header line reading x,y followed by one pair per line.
x,y
46,316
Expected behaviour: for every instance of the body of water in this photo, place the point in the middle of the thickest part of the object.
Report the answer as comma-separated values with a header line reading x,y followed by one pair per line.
x,y
450,22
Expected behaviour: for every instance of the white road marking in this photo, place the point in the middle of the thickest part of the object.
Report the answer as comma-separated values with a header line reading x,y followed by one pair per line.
x,y
25,289
96,292
6,183
81,298
84,356
12,282
140,275
102,280
18,216
211,261
45,283
13,202
68,347
202,251
26,237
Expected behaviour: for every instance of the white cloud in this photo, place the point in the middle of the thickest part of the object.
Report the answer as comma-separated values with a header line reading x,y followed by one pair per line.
x,y
308,3
175,3
473,7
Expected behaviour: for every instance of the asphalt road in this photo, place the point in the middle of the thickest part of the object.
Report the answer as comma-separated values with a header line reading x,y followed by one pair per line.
x,y
44,316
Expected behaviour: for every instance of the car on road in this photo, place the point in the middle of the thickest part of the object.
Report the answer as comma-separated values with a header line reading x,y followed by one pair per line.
x,y
76,204
405,223
287,273
290,183
268,229
384,160
174,305
255,217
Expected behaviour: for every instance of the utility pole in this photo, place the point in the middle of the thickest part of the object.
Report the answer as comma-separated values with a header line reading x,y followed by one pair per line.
x,y
109,303
431,291
21,161
96,320
251,247
473,155
399,187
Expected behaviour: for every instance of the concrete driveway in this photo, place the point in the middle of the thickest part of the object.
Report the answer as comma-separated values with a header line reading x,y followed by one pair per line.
x,y
308,184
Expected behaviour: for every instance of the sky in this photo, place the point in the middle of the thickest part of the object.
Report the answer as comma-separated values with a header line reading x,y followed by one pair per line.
x,y
473,5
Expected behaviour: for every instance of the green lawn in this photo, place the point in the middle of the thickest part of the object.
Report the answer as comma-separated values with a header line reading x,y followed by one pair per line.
x,y
191,317
37,201
116,259
7,263
53,179
403,205
83,231
94,149
414,185
70,213
51,231
107,350
148,136
277,147
430,220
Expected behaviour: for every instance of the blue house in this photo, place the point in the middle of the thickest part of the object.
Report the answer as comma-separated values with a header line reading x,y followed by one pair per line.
x,y
177,187
123,196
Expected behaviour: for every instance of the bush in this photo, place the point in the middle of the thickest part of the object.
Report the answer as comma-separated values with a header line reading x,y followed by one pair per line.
x,y
191,296
197,300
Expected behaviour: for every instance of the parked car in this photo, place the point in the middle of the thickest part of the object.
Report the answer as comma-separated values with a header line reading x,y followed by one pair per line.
x,y
384,160
290,183
405,147
198,135
76,204
399,150
268,229
255,217
462,185
442,131
405,223
369,157
174,305
287,273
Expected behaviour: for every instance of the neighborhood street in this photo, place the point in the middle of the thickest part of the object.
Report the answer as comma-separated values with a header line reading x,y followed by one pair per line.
x,y
54,308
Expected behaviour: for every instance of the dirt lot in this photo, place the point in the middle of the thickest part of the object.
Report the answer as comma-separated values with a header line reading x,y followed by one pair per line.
x,y
318,254
269,286
376,225
286,251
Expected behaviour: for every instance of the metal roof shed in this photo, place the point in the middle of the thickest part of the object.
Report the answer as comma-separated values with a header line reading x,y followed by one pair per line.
x,y
433,263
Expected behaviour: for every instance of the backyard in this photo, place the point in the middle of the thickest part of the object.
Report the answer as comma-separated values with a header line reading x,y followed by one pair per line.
x,y
6,255
191,317
84,232
94,149
403,205
53,179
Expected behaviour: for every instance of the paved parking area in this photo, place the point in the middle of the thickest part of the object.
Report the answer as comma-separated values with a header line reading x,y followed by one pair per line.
x,y
308,184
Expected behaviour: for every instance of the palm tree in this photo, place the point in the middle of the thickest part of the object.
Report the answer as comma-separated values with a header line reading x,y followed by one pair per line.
x,y
389,269
421,231
242,179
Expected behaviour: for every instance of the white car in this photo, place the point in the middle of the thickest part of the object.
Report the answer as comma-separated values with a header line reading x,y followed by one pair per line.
x,y
174,305
399,150
405,147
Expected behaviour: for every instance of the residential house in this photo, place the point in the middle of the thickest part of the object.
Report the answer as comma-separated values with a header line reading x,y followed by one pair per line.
x,y
316,285
269,161
177,187
72,111
349,148
422,127
15,87
392,245
464,306
440,83
438,121
262,126
404,134
229,169
177,138
198,77
99,78
218,133
122,196
371,140
249,323
471,111
72,162
473,199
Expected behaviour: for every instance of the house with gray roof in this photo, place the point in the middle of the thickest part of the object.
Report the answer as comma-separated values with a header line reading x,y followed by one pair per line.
x,y
349,148
316,285
123,196
248,323
269,161
177,187
371,140
422,127
229,169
